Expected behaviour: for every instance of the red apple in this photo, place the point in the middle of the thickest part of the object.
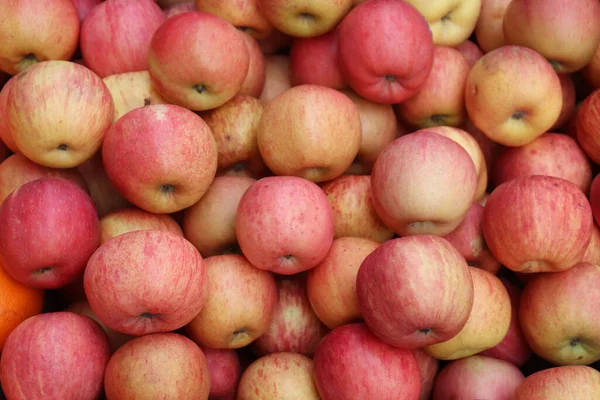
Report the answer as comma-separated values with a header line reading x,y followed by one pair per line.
x,y
575,382
592,254
255,78
29,367
244,15
138,156
84,7
225,371
214,55
5,134
569,97
278,76
127,220
470,51
551,216
429,367
146,281
385,50
32,32
284,224
587,126
384,372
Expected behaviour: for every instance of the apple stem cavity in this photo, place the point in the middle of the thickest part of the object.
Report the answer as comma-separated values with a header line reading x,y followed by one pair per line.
x,y
574,342
519,115
27,62
167,189
306,16
199,88
390,78
62,147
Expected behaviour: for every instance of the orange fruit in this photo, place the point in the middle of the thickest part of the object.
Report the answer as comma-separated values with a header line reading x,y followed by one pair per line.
x,y
17,303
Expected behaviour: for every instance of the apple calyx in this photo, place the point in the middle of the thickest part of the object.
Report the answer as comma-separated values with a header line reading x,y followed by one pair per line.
x,y
240,335
62,147
425,331
27,62
42,271
167,189
557,65
313,173
307,16
519,115
438,119
390,78
149,315
199,88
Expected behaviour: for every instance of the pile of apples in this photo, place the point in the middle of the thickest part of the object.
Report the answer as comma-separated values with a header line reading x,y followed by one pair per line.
x,y
302,199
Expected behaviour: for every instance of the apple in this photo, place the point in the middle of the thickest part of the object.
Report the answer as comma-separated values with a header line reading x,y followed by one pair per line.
x,y
234,126
470,50
477,377
592,254
551,217
215,56
468,239
44,244
275,43
314,61
32,32
5,134
279,375
138,157
569,97
303,18
591,71
379,128
385,50
331,285
423,183
575,382
309,131
225,371
255,78
244,15
241,304
552,154
278,76
488,322
429,367
84,7
526,91
146,281
295,327
130,90
383,372
166,365
179,8
29,367
127,220
284,224
513,348
568,39
586,126
17,170
209,224
391,282
102,43
489,29
489,148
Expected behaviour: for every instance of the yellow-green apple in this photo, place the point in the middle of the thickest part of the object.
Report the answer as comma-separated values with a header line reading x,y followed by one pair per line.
x,y
241,304
385,50
225,371
587,126
278,76
314,60
146,281
513,95
488,322
379,128
18,170
243,14
304,18
309,131
166,365
331,285
84,7
255,78
65,129
429,367
234,126
105,196
551,216
441,98
275,43
565,33
131,90
559,315
179,8
569,98
451,21
353,211
384,372
477,377
278,376
513,348
574,382
44,244
102,47
295,216
115,339
392,279
591,71
215,56
29,367
470,51
127,220
471,146
139,151
552,154
5,134
32,32
468,239
210,223
592,253
295,327
423,183
489,29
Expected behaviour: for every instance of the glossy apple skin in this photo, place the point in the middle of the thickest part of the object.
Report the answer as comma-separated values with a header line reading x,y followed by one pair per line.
x,y
575,382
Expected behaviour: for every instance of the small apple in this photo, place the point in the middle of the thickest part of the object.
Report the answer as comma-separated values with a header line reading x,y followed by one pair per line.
x,y
278,76
255,78
225,371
